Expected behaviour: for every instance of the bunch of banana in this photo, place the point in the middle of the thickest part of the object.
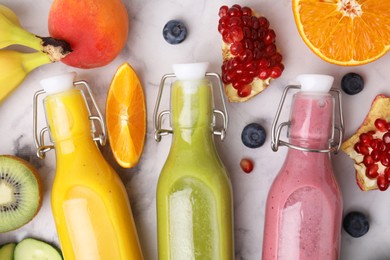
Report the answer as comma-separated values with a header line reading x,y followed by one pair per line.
x,y
14,65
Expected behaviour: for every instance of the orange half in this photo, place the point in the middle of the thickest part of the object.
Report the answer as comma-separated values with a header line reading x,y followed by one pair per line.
x,y
344,32
126,116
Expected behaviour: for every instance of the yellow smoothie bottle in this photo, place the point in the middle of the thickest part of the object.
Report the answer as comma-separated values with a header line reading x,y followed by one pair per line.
x,y
194,196
89,201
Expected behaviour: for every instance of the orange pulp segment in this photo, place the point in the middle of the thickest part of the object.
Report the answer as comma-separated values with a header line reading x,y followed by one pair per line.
x,y
126,116
344,32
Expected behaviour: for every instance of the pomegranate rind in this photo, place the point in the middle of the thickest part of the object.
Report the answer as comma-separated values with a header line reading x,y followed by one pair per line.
x,y
257,85
380,108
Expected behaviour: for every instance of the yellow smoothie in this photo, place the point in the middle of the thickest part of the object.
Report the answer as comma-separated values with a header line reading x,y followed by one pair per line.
x,y
89,201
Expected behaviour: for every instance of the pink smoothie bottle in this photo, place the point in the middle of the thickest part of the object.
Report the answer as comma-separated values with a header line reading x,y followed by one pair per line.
x,y
304,204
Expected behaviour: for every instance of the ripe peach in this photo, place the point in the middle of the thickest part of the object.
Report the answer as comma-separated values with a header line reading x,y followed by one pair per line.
x,y
96,30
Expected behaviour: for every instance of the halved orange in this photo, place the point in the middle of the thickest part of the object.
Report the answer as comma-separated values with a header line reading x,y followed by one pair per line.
x,y
344,32
126,116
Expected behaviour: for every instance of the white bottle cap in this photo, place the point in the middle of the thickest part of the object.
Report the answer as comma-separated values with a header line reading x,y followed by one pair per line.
x,y
315,82
190,71
58,83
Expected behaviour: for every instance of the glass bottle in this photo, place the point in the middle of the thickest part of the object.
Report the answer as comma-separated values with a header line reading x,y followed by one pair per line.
x,y
304,204
89,201
194,196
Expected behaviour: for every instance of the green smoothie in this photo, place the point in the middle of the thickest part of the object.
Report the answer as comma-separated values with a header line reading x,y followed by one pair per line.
x,y
194,197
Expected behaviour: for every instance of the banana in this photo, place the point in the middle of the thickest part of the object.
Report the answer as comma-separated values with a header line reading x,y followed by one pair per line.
x,y
12,33
15,66
9,14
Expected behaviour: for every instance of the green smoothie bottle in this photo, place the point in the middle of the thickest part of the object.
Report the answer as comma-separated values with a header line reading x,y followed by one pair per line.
x,y
194,195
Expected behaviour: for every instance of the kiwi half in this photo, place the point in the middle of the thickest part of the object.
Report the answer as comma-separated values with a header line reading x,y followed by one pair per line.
x,y
20,192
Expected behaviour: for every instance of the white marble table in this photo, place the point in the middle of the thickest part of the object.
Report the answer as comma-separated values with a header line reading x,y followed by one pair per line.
x,y
152,57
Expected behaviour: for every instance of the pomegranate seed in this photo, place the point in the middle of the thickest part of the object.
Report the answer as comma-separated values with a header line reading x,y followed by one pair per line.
x,y
261,32
237,33
382,146
221,29
381,125
367,160
246,11
248,44
223,11
244,91
363,149
234,11
226,36
276,58
263,22
375,155
224,78
230,75
257,54
372,171
356,147
223,21
247,21
275,72
236,48
270,50
383,182
385,161
246,80
246,165
269,37
387,173
246,56
237,6
253,34
234,21
365,138
264,74
258,44
255,23
374,144
386,138
237,84
264,63
280,66
247,32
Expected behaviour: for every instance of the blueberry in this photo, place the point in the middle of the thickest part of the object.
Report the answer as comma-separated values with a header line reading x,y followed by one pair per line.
x,y
253,135
356,224
174,32
352,83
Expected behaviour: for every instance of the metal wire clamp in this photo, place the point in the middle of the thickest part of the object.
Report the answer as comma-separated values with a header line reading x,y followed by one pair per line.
x,y
157,117
39,140
276,129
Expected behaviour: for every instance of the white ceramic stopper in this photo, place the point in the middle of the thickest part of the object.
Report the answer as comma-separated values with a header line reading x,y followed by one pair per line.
x,y
315,82
190,71
58,83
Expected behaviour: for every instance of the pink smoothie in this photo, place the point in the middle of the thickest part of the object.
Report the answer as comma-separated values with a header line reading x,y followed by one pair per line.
x,y
304,206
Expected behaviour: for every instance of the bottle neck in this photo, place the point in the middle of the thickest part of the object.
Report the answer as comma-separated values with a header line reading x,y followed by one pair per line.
x,y
191,106
312,120
67,116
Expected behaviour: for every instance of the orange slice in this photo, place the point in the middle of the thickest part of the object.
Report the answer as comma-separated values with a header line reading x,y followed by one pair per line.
x,y
126,116
344,32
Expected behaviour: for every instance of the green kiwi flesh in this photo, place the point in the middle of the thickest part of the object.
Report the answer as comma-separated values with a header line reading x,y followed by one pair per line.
x,y
7,251
33,249
20,192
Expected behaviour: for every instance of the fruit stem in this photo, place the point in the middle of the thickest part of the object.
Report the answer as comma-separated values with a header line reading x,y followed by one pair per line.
x,y
33,60
55,48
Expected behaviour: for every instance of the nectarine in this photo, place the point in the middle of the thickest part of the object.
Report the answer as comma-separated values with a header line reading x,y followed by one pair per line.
x,y
96,30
